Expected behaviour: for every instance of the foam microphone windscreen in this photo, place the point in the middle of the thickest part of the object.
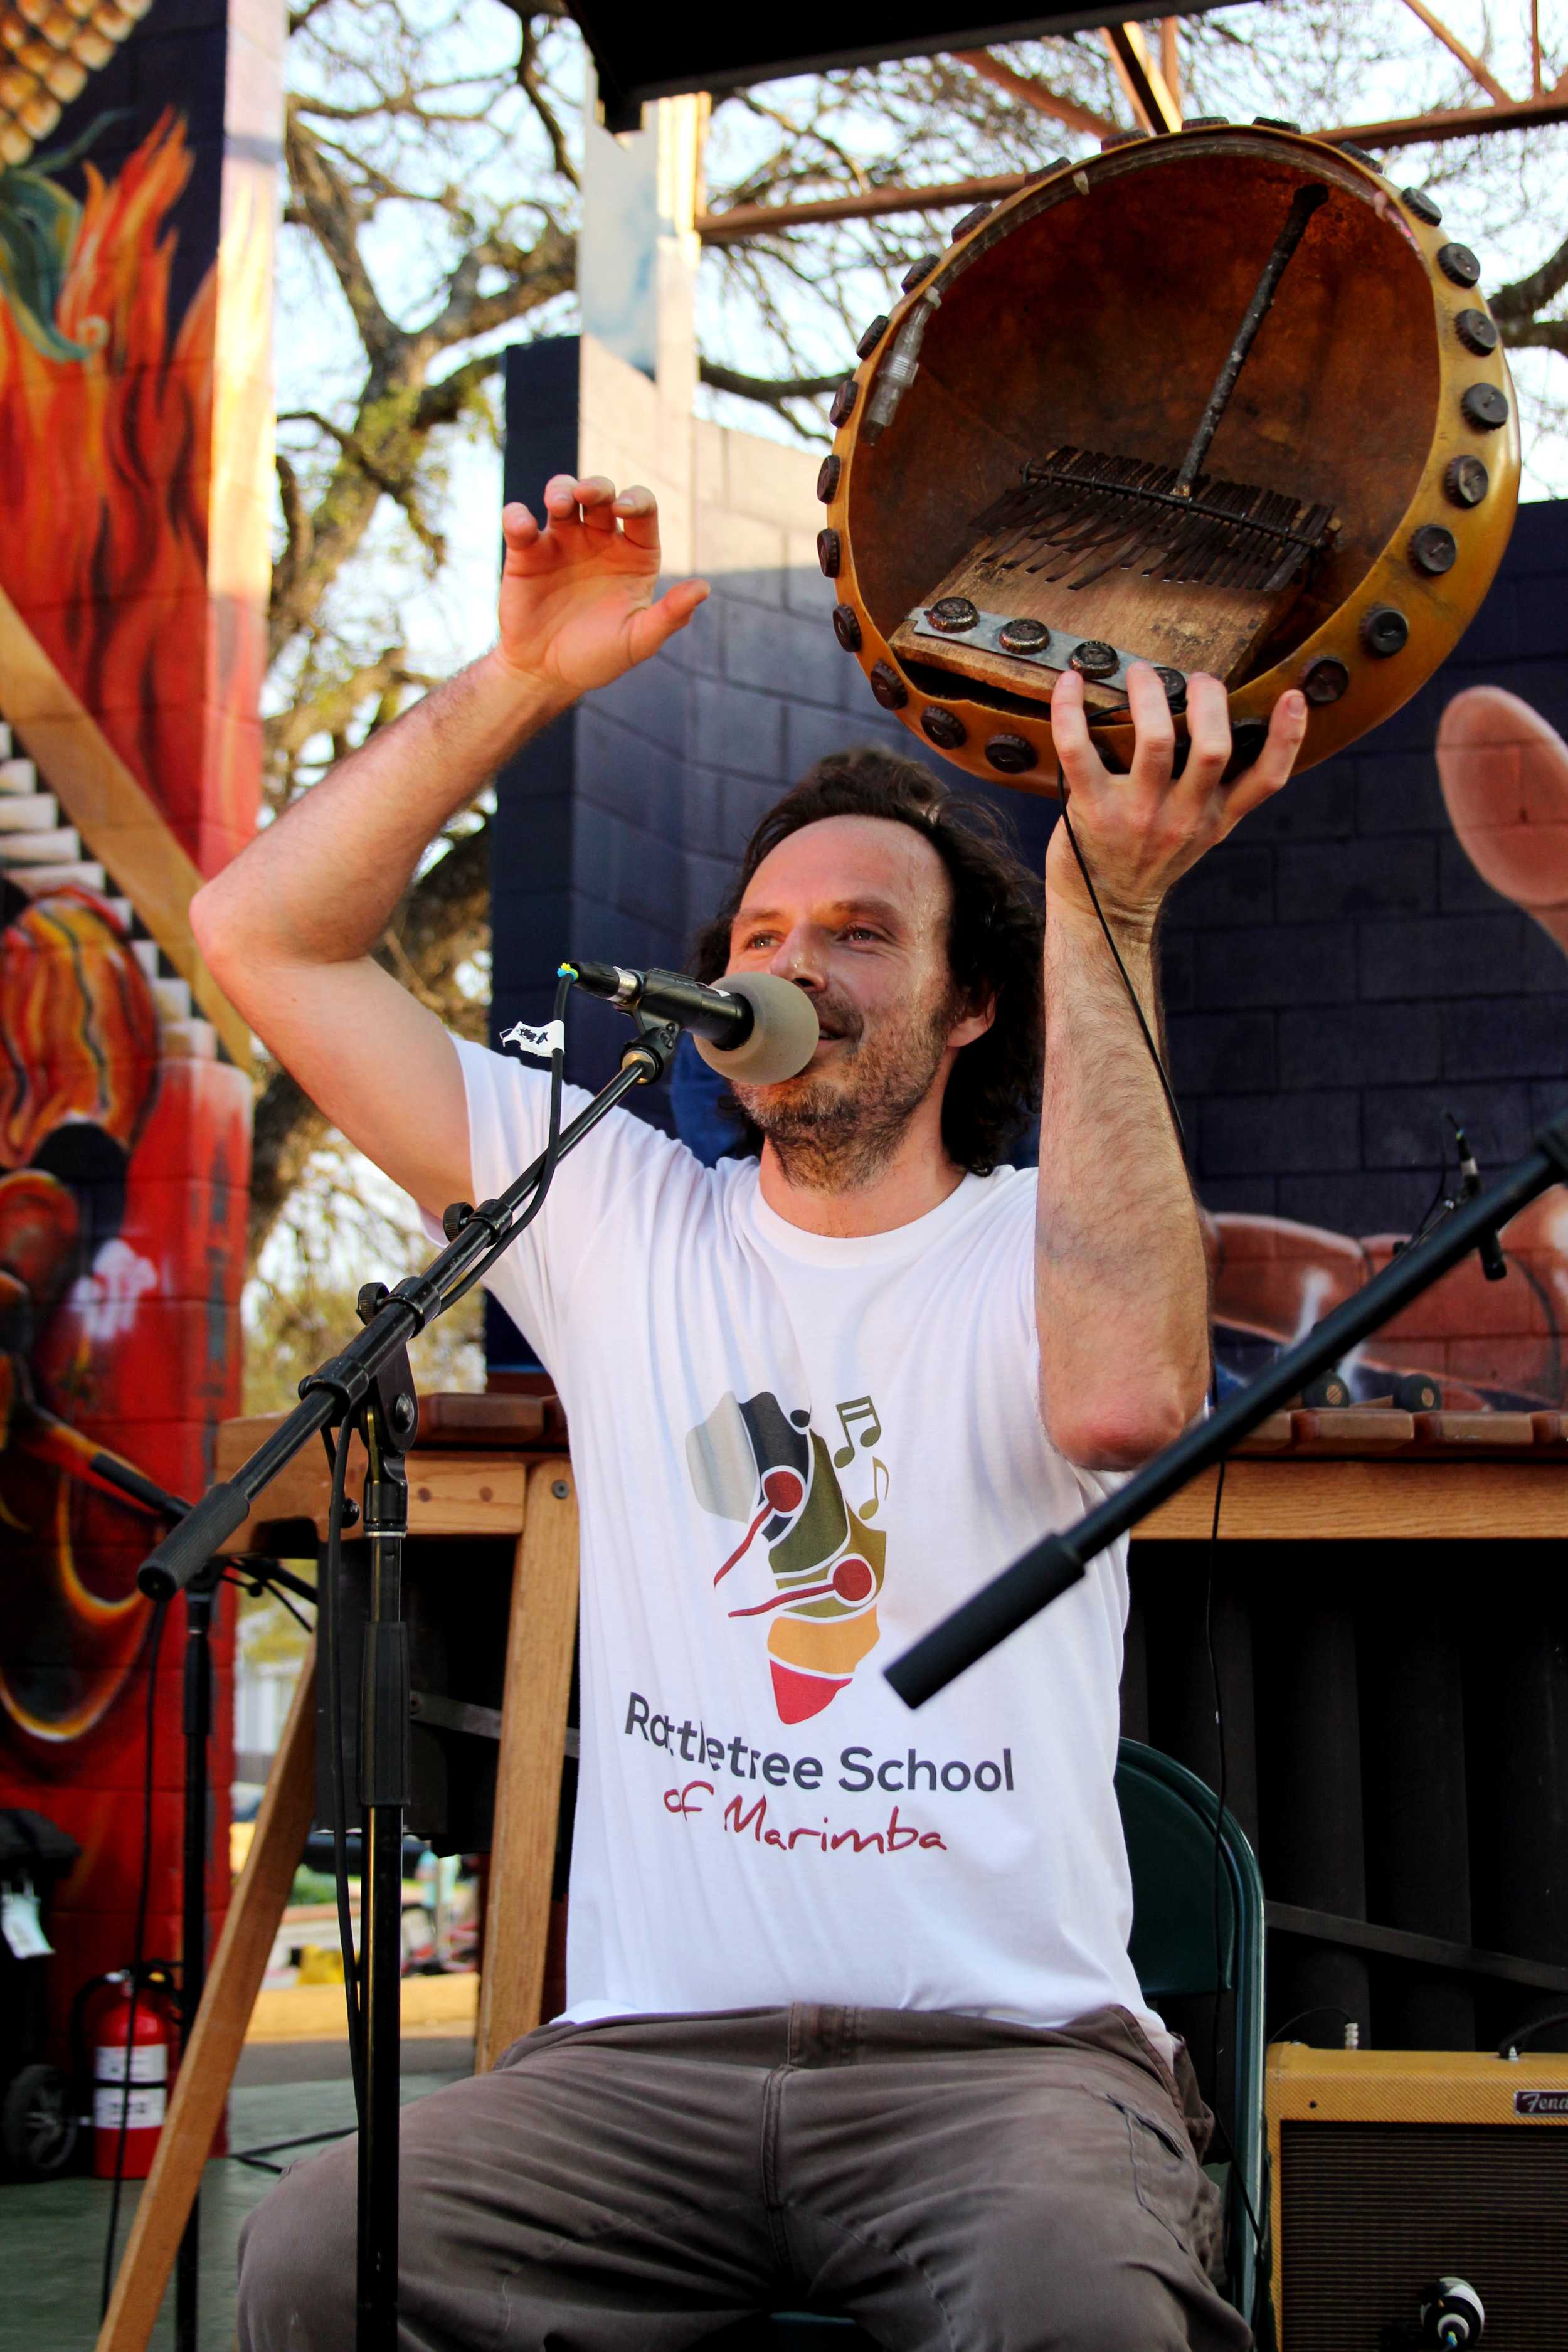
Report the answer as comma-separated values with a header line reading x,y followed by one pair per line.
x,y
783,1036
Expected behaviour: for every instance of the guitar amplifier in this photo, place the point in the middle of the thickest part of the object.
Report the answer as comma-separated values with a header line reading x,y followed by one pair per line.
x,y
1394,2168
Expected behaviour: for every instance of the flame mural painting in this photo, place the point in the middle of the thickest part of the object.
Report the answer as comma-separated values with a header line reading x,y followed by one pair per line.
x,y
755,1463
135,450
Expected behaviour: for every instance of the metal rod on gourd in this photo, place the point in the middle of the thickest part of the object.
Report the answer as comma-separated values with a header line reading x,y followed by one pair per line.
x,y
1303,204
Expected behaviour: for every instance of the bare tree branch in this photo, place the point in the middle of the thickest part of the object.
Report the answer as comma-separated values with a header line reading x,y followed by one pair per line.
x,y
331,710
535,275
1034,94
1528,295
286,1129
297,536
381,451
771,391
402,488
1538,335
334,218
390,106
444,402
528,77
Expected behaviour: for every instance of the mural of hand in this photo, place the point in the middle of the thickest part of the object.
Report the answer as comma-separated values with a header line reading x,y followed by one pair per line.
x,y
107,1296
1504,772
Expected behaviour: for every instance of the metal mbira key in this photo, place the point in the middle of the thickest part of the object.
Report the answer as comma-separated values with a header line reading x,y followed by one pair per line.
x,y
1077,518
1223,399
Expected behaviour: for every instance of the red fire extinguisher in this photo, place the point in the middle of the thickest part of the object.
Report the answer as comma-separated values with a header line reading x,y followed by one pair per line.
x,y
132,2046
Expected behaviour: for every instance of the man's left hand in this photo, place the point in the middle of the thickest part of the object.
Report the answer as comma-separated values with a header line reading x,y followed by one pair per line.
x,y
1140,832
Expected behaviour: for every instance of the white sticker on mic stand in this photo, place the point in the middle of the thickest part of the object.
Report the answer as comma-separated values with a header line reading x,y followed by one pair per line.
x,y
20,1924
550,1039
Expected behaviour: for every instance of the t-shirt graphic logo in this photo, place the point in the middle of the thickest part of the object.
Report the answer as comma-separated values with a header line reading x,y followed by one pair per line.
x,y
753,1462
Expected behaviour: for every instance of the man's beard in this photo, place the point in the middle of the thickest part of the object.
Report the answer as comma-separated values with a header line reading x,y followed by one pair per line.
x,y
835,1130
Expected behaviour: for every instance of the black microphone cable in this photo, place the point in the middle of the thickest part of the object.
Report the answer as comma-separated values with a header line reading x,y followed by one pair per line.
x,y
330,1621
142,1971
1110,943
250,1584
139,1951
565,981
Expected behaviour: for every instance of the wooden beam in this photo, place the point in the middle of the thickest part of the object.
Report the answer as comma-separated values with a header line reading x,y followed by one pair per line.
x,y
1036,94
207,2066
1468,58
1456,122
527,1771
1171,59
1140,79
1452,123
872,203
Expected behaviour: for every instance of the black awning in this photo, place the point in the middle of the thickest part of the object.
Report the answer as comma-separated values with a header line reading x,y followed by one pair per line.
x,y
646,52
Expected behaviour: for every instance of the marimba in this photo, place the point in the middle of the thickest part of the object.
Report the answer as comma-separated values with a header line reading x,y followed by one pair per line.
x,y
498,1466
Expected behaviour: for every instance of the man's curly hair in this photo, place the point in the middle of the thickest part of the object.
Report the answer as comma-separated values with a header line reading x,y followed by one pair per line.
x,y
993,937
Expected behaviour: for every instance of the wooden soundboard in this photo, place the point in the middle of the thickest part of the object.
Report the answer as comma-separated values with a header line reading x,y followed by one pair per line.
x,y
1194,626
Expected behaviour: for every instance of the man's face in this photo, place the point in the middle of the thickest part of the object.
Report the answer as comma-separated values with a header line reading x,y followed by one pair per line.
x,y
854,909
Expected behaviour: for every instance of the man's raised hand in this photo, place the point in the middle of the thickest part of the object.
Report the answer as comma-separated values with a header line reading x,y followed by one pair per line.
x,y
1140,832
576,597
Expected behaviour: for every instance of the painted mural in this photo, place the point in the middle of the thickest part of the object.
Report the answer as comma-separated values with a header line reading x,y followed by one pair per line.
x,y
1486,1344
135,258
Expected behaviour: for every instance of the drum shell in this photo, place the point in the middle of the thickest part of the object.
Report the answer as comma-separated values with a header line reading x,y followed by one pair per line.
x,y
1105,330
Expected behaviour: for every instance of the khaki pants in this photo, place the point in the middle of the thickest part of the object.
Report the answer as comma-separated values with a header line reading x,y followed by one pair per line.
x,y
638,2185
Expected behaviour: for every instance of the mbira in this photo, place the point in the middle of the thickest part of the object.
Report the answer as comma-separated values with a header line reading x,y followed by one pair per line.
x,y
1224,400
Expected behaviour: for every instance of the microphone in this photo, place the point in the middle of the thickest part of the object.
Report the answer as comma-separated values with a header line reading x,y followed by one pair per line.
x,y
1493,1264
1452,2313
755,1027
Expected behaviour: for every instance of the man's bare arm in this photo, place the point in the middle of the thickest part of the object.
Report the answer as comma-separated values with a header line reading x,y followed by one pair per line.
x,y
1121,1293
290,929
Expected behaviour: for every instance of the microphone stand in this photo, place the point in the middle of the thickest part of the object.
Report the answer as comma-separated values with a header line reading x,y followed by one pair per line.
x,y
370,1385
1054,1565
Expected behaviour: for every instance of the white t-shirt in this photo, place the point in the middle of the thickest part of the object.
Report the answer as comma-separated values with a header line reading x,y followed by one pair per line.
x,y
794,1454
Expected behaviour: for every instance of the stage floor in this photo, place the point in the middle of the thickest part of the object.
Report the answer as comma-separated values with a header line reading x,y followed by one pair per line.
x,y
54,2229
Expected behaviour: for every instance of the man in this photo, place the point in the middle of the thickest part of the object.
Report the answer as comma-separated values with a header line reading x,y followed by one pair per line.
x,y
850,2013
